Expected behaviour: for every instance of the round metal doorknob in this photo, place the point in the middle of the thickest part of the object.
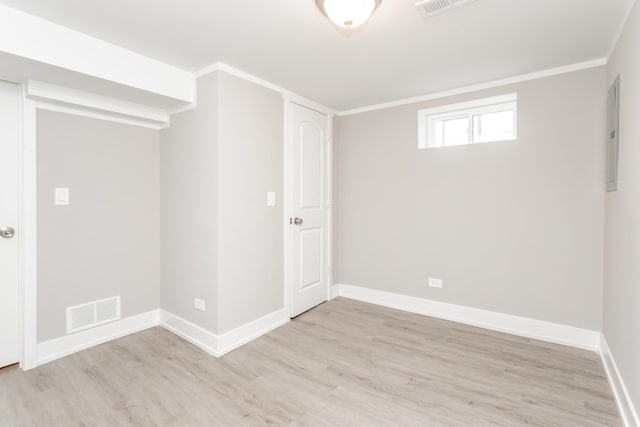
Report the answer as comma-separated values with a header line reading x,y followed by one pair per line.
x,y
7,232
298,221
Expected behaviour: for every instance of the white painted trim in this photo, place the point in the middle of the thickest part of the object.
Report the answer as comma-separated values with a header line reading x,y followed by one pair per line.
x,y
73,101
522,326
473,104
28,234
427,117
83,112
239,336
184,108
307,103
488,85
66,95
219,345
221,66
64,346
620,31
209,69
216,345
335,291
288,206
329,205
40,40
286,94
627,410
190,332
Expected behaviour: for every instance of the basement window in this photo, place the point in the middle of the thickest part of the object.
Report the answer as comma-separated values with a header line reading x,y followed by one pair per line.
x,y
482,120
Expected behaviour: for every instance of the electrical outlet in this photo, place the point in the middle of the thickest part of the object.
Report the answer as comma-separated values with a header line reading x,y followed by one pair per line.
x,y
199,304
435,283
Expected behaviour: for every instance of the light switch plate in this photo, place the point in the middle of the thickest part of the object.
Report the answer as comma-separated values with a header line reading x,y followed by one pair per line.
x,y
199,304
61,197
271,198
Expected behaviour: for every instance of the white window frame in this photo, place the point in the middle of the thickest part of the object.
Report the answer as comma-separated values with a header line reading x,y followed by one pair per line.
x,y
428,117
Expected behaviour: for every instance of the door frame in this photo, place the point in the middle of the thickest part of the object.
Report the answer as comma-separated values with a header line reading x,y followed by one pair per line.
x,y
290,99
27,229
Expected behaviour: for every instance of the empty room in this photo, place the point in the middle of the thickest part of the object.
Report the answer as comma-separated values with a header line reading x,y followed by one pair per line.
x,y
320,213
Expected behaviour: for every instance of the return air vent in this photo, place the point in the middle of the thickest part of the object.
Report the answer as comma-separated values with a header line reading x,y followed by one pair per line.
x,y
429,8
92,314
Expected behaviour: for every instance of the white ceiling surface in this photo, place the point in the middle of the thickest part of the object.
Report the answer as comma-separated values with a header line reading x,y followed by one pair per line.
x,y
396,55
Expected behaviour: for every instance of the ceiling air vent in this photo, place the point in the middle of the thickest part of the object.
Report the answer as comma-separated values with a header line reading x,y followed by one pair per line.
x,y
429,8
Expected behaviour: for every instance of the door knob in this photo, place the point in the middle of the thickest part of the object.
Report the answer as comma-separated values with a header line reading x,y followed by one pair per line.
x,y
7,232
298,221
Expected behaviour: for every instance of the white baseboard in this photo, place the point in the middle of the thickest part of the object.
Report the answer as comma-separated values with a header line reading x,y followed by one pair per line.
x,y
628,412
219,345
216,345
196,335
241,335
335,291
49,351
530,328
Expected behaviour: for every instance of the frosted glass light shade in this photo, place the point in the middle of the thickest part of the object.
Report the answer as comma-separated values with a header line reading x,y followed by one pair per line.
x,y
348,13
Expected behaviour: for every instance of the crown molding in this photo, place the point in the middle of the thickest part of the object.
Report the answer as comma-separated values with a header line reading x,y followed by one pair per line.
x,y
209,69
474,88
286,94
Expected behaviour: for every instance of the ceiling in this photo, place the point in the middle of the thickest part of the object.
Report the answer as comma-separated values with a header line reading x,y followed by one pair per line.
x,y
396,55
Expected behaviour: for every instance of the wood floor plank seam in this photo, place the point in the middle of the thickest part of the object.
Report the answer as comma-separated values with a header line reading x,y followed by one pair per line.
x,y
345,363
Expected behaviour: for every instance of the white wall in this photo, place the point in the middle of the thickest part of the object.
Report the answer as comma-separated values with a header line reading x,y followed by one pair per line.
x,y
189,209
107,241
622,249
220,242
512,227
161,218
250,234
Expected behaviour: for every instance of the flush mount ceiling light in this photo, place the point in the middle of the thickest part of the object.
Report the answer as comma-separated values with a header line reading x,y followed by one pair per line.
x,y
348,13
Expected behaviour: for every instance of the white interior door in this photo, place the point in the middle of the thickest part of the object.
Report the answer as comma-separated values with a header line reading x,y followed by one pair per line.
x,y
310,242
9,248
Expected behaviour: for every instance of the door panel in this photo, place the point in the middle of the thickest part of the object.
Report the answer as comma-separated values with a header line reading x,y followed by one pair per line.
x,y
9,248
310,183
311,258
310,173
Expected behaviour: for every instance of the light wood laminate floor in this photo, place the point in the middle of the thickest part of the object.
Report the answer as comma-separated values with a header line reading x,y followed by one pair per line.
x,y
344,363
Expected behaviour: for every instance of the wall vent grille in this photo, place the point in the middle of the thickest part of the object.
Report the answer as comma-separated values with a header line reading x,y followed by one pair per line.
x,y
429,8
92,314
